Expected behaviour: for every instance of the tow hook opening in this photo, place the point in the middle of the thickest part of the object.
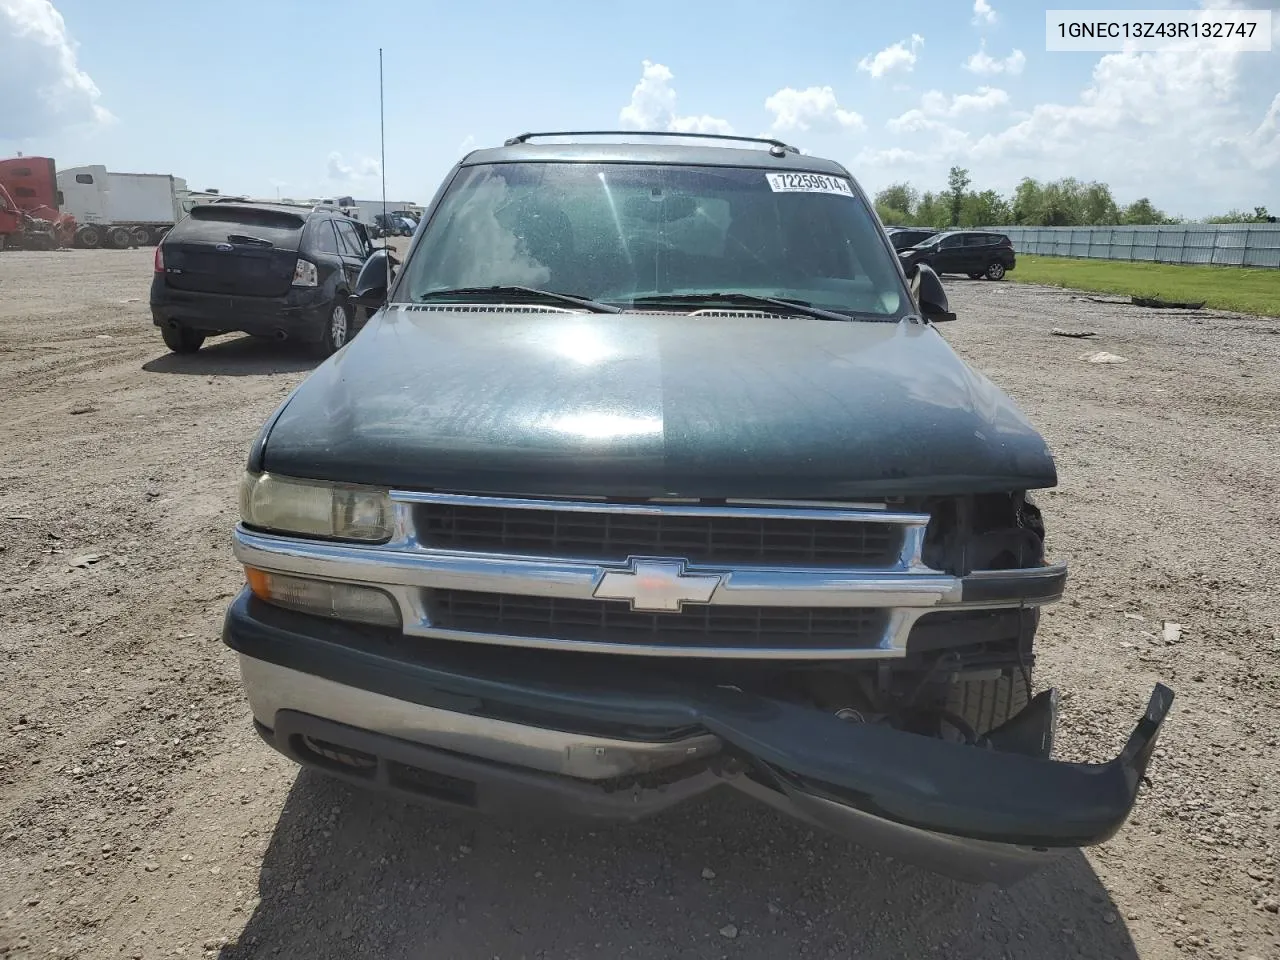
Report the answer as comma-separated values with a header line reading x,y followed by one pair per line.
x,y
335,757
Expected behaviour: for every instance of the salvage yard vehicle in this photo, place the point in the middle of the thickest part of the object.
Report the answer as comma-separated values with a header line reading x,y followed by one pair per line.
x,y
271,270
389,225
118,209
971,252
30,201
904,237
22,231
651,475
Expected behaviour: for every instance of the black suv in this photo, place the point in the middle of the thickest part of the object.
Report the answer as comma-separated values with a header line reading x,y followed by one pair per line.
x,y
652,475
972,252
271,270
903,237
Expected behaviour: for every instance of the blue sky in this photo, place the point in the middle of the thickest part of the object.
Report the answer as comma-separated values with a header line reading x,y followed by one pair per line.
x,y
259,96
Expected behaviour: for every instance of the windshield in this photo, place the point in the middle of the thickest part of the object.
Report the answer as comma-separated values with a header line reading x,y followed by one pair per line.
x,y
618,233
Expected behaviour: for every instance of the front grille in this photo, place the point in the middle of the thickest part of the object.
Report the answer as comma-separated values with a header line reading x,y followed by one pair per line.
x,y
605,621
699,539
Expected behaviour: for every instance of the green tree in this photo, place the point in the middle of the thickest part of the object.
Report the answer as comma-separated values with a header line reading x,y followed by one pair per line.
x,y
901,198
1231,216
957,183
1142,212
1259,215
1027,201
1064,202
933,211
1098,208
985,209
1058,205
893,217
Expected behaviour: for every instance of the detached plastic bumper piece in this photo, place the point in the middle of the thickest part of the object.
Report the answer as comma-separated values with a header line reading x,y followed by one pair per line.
x,y
449,723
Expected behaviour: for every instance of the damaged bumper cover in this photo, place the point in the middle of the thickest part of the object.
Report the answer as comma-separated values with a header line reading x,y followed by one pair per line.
x,y
503,733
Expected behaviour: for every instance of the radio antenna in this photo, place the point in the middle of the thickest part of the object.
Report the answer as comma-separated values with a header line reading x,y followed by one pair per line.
x,y
382,136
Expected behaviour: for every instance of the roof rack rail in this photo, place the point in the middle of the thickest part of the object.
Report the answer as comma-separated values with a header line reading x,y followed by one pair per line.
x,y
777,147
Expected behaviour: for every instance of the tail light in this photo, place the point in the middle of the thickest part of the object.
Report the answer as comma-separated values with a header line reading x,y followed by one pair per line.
x,y
159,259
304,274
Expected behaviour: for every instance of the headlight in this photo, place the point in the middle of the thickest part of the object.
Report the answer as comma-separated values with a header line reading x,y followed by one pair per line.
x,y
313,508
323,598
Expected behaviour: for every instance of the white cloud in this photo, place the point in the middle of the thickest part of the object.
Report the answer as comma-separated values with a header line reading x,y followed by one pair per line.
x,y
653,101
1187,128
702,124
366,168
42,88
653,106
984,98
467,145
935,104
982,62
893,158
1176,125
898,56
1260,148
912,121
800,109
983,12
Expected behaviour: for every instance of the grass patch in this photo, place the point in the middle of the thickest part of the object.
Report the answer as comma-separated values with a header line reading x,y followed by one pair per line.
x,y
1253,290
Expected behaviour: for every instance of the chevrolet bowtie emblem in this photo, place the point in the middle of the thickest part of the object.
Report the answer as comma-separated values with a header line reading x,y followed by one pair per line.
x,y
657,586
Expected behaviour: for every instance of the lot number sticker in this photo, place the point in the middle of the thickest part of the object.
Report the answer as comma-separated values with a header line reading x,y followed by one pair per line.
x,y
808,183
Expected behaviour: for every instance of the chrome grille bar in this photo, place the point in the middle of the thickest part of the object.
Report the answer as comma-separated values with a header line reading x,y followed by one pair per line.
x,y
745,586
653,507
892,595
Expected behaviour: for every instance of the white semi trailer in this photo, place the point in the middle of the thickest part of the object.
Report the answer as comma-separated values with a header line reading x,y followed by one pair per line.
x,y
119,209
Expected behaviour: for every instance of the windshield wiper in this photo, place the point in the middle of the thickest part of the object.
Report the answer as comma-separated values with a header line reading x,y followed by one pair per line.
x,y
525,295
245,238
773,304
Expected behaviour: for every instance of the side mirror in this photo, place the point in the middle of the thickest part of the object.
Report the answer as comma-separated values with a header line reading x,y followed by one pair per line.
x,y
371,284
926,289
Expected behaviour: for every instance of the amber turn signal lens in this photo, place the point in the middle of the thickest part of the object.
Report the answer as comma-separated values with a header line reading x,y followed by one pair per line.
x,y
259,583
325,598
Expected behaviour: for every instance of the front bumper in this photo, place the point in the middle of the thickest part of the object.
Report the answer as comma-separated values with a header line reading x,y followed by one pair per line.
x,y
611,740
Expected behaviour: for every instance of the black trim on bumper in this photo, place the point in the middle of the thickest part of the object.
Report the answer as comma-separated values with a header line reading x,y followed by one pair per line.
x,y
913,781
991,586
443,779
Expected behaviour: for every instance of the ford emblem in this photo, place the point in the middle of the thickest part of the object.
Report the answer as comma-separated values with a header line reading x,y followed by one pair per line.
x,y
224,247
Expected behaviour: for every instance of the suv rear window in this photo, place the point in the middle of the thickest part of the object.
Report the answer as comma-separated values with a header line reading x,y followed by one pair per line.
x,y
216,222
619,231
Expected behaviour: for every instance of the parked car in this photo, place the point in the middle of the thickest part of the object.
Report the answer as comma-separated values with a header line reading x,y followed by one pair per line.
x,y
652,474
272,270
389,225
974,253
903,237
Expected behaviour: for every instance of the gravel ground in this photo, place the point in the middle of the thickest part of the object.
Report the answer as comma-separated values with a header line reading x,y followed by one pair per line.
x,y
141,817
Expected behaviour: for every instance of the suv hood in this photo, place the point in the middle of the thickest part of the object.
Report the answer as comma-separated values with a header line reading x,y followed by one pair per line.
x,y
524,401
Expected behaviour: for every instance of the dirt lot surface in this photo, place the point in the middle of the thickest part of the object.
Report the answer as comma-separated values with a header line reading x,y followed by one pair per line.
x,y
140,816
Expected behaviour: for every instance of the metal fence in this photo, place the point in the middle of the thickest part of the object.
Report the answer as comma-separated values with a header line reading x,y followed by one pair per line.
x,y
1220,244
